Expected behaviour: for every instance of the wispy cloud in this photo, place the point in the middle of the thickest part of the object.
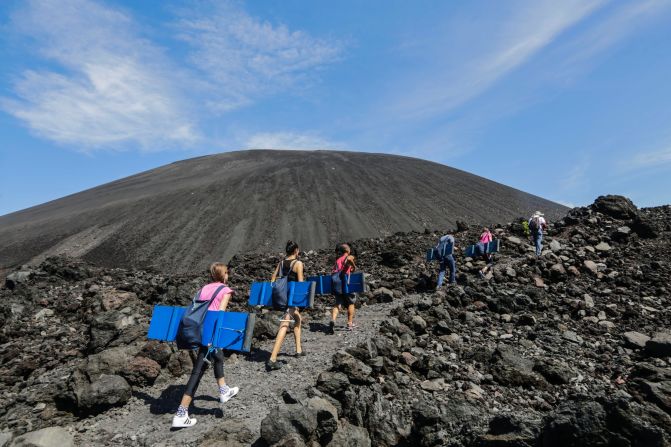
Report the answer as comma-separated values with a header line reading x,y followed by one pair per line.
x,y
243,57
651,159
618,22
290,140
470,64
577,176
109,87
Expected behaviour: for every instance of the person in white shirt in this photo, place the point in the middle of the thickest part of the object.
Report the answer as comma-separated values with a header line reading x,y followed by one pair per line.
x,y
537,224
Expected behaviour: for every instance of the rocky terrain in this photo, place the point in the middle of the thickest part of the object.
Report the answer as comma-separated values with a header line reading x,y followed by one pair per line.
x,y
569,349
180,216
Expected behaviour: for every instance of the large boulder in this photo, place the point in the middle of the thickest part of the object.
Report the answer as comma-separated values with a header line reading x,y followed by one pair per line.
x,y
47,437
141,371
659,345
16,278
110,361
157,351
511,369
349,435
354,369
575,424
615,206
295,424
106,392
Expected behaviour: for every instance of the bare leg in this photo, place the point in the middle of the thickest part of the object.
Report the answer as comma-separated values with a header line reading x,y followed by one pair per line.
x,y
334,312
279,339
297,332
186,401
350,314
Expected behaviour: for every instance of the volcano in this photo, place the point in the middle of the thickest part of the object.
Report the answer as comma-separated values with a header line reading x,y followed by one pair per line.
x,y
182,216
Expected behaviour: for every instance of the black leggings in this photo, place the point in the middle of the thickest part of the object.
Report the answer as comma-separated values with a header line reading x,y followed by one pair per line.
x,y
199,367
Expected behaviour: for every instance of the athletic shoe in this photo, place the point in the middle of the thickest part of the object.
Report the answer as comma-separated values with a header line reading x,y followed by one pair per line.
x,y
273,365
482,275
223,398
351,326
301,354
183,422
332,327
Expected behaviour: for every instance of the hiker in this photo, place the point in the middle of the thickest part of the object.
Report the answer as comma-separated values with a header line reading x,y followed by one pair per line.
x,y
536,226
206,355
292,268
344,265
446,260
481,247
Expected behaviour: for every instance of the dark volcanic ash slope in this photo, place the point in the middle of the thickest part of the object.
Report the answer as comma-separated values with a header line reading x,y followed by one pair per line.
x,y
183,215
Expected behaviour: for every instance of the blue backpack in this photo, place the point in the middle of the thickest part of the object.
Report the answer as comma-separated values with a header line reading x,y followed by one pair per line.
x,y
280,288
190,328
338,278
444,248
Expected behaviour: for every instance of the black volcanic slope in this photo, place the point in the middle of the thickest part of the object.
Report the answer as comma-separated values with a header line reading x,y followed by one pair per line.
x,y
182,216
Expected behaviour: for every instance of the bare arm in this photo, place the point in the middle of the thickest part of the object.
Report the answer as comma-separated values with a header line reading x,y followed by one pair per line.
x,y
350,261
275,273
299,271
224,301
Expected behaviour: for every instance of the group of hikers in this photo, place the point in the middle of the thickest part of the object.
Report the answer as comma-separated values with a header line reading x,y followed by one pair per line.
x,y
291,268
534,227
219,294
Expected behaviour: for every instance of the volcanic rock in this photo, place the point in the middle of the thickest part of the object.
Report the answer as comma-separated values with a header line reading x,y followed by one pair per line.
x,y
103,393
46,437
635,339
615,206
659,345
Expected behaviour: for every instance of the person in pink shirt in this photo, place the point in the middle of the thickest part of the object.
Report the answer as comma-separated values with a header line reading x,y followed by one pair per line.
x,y
344,265
218,286
485,238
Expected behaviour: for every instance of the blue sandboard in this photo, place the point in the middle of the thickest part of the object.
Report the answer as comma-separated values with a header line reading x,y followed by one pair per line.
x,y
490,247
301,294
356,283
432,253
225,330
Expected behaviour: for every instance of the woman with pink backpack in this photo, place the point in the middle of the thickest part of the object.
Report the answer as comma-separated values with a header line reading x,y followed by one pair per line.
x,y
344,265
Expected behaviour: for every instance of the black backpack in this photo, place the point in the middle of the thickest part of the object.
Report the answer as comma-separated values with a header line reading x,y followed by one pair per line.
x,y
534,225
190,328
280,288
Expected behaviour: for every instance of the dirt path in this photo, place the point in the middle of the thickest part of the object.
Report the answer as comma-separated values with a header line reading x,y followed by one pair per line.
x,y
146,419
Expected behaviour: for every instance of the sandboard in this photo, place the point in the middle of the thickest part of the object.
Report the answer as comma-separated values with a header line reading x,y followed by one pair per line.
x,y
355,283
433,255
490,247
225,330
301,294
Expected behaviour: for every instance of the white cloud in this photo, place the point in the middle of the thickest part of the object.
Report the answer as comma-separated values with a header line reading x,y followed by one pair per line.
x,y
110,87
475,57
289,140
651,159
242,57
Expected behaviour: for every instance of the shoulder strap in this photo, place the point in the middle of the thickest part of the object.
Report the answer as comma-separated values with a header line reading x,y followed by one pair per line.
x,y
291,267
216,292
344,263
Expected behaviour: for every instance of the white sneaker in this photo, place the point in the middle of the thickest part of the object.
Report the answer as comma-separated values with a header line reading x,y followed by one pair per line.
x,y
223,398
183,422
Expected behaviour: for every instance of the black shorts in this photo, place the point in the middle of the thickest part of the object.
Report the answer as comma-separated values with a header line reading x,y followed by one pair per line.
x,y
345,299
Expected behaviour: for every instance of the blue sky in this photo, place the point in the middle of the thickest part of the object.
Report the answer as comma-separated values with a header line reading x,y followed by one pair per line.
x,y
567,100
